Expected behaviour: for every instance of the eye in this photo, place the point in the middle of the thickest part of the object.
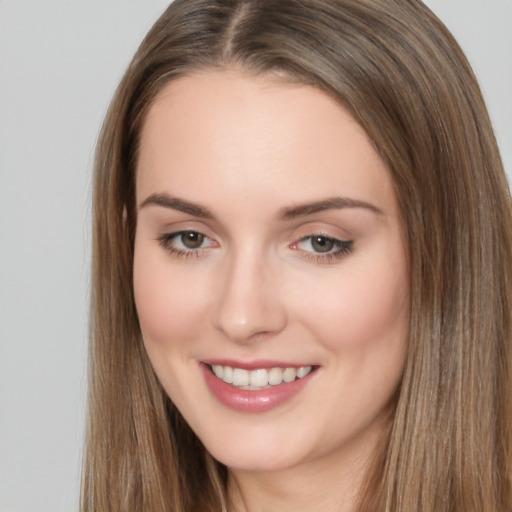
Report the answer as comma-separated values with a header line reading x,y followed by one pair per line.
x,y
323,248
185,243
191,239
321,243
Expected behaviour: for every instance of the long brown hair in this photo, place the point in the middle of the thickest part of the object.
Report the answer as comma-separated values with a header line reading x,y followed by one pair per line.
x,y
402,76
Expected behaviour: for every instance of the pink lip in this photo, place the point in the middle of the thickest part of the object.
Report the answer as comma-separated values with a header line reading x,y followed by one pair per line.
x,y
252,401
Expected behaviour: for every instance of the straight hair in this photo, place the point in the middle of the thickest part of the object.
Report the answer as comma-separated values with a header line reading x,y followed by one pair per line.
x,y
399,72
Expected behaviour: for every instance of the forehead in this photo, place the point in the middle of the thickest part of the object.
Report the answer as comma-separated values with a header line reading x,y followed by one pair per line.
x,y
224,133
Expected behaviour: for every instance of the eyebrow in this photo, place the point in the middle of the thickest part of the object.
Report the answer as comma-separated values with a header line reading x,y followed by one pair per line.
x,y
175,203
333,203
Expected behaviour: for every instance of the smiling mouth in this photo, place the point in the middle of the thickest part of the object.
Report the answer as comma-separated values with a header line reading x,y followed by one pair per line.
x,y
261,378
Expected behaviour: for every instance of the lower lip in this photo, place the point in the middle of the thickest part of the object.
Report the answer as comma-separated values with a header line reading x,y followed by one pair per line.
x,y
245,400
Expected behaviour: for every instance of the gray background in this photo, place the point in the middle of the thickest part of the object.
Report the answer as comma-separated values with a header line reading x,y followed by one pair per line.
x,y
59,64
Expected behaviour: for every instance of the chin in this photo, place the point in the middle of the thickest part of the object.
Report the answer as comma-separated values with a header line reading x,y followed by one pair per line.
x,y
255,461
244,455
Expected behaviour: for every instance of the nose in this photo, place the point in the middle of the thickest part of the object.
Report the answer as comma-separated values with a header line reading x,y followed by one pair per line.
x,y
249,303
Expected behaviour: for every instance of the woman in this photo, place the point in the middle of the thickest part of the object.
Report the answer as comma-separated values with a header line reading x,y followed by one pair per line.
x,y
301,280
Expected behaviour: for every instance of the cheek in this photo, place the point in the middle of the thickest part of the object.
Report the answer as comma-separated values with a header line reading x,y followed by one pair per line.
x,y
169,306
362,309
362,320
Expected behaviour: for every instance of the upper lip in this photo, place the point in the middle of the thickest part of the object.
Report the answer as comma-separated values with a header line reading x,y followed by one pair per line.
x,y
255,364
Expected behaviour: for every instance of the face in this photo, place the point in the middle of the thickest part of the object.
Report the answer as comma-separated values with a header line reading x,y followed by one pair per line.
x,y
270,273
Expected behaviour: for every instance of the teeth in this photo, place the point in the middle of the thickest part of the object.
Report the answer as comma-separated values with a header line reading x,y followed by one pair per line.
x,y
303,371
275,376
289,374
240,377
227,375
260,378
218,370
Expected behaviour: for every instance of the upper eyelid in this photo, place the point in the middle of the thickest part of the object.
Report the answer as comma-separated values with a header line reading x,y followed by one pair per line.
x,y
324,228
326,233
174,234
298,228
184,227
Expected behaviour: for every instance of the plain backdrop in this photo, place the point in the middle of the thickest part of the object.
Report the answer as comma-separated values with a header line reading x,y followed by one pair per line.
x,y
60,61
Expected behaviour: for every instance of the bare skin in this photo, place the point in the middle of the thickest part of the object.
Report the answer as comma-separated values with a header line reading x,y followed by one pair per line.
x,y
268,230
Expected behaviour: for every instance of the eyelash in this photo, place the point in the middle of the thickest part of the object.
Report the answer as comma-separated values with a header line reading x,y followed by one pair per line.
x,y
342,247
166,241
